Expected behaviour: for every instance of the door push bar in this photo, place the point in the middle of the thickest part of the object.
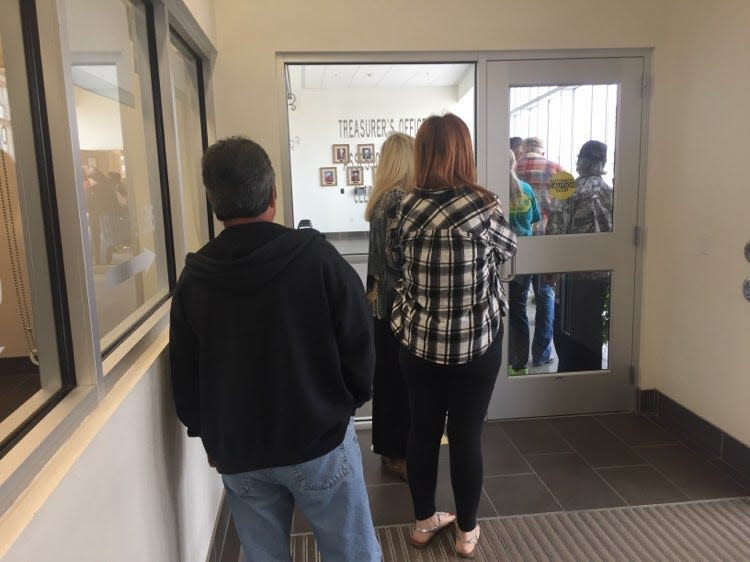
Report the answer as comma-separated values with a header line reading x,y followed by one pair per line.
x,y
512,274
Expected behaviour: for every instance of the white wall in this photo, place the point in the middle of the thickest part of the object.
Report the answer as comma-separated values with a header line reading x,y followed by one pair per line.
x,y
140,490
695,322
203,12
92,111
128,485
696,325
315,123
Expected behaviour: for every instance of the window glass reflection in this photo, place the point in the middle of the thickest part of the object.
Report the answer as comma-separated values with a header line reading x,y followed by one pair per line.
x,y
558,125
189,143
118,155
564,331
20,378
339,117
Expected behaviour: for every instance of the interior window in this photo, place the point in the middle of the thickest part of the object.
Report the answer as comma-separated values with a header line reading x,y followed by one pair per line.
x,y
339,117
119,176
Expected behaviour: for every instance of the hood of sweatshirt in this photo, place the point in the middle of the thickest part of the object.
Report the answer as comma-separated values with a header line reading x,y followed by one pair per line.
x,y
251,272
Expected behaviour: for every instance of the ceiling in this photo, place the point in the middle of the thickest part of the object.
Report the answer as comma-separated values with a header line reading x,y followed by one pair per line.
x,y
322,76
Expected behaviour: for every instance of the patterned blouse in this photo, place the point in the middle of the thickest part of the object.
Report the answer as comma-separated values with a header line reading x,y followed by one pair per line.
x,y
588,210
450,244
382,275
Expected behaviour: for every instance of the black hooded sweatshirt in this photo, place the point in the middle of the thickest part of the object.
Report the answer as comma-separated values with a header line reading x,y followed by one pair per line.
x,y
271,346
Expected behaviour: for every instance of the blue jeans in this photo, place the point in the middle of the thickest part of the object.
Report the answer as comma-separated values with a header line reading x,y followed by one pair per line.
x,y
544,293
518,336
330,491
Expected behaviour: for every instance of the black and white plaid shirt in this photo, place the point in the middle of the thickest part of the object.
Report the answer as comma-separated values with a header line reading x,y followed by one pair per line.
x,y
450,301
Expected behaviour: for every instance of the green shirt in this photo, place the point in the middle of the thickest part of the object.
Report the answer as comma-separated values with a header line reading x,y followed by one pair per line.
x,y
524,212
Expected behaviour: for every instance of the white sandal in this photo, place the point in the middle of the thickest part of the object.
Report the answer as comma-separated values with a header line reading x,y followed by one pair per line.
x,y
432,531
473,541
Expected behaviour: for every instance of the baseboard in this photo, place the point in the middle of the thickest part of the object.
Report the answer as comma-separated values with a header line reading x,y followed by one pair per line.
x,y
697,432
646,401
221,528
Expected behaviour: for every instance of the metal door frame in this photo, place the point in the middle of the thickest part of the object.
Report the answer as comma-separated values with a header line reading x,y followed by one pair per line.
x,y
482,60
593,391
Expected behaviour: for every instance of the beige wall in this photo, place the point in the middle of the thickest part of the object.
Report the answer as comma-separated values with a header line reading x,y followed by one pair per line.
x,y
139,490
203,12
695,323
129,485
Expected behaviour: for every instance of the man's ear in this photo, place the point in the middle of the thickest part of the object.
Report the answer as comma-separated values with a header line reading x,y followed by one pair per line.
x,y
272,203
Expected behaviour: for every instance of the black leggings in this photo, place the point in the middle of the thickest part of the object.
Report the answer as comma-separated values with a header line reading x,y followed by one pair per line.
x,y
390,401
462,392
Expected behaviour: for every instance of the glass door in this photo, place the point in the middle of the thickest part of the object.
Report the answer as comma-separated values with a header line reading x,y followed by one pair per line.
x,y
573,202
339,116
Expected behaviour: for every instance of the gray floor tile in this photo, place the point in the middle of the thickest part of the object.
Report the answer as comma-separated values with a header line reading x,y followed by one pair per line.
x,y
693,430
390,504
691,472
736,454
300,524
373,468
637,430
534,437
573,482
231,549
444,500
641,485
500,455
13,396
742,477
516,495
444,492
595,443
10,380
444,464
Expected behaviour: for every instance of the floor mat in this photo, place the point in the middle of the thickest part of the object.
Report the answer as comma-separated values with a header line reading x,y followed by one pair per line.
x,y
708,530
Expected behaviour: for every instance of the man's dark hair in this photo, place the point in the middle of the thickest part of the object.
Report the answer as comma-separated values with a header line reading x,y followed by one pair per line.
x,y
238,177
515,142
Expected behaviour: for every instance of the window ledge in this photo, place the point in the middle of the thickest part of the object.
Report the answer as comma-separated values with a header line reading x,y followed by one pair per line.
x,y
32,470
115,356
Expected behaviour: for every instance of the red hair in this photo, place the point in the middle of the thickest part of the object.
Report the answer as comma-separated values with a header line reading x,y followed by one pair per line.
x,y
443,155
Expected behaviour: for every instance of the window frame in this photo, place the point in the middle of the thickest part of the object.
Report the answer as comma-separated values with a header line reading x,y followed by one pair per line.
x,y
164,183
88,374
48,214
476,59
176,39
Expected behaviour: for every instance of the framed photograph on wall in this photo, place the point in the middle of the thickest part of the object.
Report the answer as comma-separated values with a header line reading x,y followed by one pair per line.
x,y
340,153
355,175
366,152
328,177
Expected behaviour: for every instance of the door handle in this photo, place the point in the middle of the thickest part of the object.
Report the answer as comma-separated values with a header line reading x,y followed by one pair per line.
x,y
512,274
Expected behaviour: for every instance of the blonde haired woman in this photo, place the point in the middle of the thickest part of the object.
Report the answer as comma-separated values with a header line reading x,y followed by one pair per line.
x,y
523,213
390,407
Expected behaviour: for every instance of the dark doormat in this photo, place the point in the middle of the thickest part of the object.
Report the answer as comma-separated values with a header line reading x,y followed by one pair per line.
x,y
707,530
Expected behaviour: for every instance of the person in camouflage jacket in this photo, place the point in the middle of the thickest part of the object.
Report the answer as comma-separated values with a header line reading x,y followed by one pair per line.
x,y
579,320
589,208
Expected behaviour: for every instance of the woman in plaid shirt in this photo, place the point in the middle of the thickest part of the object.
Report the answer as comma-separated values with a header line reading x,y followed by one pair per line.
x,y
450,243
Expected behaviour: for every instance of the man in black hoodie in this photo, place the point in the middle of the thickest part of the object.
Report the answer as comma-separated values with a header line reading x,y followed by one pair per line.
x,y
271,352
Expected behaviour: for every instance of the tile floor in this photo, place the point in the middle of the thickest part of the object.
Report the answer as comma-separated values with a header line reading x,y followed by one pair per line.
x,y
15,389
556,464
